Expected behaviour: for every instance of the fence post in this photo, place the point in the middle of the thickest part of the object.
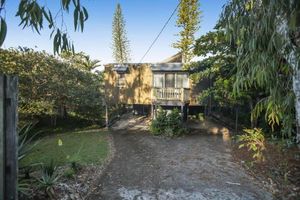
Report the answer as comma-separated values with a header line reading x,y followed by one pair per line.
x,y
8,132
2,156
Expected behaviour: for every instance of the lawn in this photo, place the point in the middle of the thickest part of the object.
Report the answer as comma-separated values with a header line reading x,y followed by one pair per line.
x,y
89,147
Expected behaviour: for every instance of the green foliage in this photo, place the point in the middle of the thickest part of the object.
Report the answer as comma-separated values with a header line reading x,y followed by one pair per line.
x,y
120,42
265,36
75,165
159,124
3,25
201,117
49,178
174,124
50,87
219,68
73,159
23,188
36,16
26,143
167,124
188,20
254,140
69,173
3,30
80,60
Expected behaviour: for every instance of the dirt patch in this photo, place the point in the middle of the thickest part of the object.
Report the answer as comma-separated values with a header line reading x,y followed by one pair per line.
x,y
280,171
198,166
132,122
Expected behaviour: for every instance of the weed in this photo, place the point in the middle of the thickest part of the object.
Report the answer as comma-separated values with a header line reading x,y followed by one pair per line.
x,y
254,140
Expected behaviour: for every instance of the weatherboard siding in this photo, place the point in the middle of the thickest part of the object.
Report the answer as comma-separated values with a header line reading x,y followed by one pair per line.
x,y
137,86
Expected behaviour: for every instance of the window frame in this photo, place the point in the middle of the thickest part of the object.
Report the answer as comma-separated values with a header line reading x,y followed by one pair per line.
x,y
121,80
163,74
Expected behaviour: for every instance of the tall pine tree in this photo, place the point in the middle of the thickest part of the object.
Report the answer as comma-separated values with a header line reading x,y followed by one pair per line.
x,y
188,21
121,52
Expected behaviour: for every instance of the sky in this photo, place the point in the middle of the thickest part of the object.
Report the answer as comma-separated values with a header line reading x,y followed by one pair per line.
x,y
144,20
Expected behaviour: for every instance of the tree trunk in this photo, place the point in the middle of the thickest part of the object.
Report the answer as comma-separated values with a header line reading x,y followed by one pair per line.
x,y
106,116
236,119
292,59
294,62
296,89
253,120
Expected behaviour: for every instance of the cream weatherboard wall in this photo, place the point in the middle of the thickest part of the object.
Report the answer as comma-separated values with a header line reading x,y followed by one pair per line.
x,y
135,85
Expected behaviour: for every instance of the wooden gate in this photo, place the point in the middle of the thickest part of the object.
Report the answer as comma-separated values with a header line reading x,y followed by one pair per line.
x,y
8,137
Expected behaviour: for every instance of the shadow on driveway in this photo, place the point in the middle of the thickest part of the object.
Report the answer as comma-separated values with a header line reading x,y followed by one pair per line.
x,y
197,166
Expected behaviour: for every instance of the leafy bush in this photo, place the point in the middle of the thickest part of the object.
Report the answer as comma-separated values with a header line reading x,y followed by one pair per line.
x,y
254,140
167,124
159,124
54,88
201,117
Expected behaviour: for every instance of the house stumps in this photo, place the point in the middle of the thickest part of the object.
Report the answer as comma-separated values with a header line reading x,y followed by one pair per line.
x,y
184,112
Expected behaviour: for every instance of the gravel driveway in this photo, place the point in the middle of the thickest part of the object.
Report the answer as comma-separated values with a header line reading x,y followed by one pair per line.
x,y
197,166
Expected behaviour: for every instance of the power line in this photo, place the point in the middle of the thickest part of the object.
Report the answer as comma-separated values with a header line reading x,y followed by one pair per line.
x,y
160,32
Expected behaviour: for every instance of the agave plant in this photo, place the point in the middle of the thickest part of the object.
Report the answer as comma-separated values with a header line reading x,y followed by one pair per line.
x,y
49,178
26,135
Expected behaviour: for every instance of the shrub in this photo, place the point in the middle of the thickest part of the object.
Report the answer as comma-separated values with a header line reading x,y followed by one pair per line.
x,y
167,124
201,117
158,125
254,140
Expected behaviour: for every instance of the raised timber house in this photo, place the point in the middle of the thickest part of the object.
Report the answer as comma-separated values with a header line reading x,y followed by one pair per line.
x,y
145,86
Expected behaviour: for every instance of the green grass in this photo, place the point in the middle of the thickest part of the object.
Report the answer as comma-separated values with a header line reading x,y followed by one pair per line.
x,y
88,147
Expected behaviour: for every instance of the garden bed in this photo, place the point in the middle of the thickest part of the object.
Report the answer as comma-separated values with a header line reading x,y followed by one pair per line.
x,y
80,156
280,172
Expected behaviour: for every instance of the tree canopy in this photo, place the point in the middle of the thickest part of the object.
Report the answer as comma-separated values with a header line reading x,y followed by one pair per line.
x,y
188,21
52,87
253,60
266,35
121,51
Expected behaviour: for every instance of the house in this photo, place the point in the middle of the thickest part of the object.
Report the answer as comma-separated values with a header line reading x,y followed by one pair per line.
x,y
146,86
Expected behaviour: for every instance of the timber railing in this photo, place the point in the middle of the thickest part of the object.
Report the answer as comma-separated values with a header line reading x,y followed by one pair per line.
x,y
173,94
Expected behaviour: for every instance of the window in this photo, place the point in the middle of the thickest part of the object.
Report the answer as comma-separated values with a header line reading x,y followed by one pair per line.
x,y
158,80
182,81
121,81
170,80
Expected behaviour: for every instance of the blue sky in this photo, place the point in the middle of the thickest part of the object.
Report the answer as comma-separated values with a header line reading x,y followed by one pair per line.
x,y
144,19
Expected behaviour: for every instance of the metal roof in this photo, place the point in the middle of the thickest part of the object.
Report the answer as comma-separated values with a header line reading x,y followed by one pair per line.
x,y
167,67
120,68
